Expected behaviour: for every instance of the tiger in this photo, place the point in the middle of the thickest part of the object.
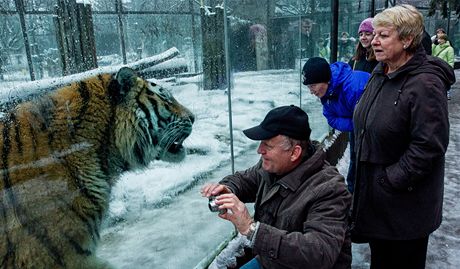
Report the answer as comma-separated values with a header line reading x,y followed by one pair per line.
x,y
62,153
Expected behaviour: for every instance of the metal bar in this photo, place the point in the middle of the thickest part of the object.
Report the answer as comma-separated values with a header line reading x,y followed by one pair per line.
x,y
119,9
194,37
334,30
299,33
449,10
229,84
372,8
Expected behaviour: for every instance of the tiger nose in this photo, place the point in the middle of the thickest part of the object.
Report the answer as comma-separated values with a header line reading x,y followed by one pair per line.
x,y
191,117
188,115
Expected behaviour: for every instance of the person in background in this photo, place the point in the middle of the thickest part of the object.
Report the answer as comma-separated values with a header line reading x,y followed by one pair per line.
x,y
434,38
444,51
301,202
346,44
323,49
402,132
307,40
339,89
364,58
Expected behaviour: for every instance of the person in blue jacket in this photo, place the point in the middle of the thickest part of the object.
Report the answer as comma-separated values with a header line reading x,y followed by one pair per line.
x,y
339,89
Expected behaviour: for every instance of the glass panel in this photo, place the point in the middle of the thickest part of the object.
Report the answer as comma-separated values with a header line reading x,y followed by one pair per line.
x,y
13,61
450,25
269,41
148,35
380,5
107,37
260,79
351,14
160,6
7,6
105,6
43,46
39,5
157,217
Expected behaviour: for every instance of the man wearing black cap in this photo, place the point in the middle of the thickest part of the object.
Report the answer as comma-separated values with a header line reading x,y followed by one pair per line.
x,y
301,202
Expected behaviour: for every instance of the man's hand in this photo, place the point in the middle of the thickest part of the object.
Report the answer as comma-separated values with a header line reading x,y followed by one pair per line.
x,y
214,189
237,212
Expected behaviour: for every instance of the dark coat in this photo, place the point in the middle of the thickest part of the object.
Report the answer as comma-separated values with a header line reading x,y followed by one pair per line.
x,y
303,214
363,64
401,135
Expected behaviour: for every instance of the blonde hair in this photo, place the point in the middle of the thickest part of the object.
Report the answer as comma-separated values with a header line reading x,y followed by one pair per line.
x,y
407,21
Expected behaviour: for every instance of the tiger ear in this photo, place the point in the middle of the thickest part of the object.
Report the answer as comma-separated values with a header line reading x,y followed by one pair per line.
x,y
126,78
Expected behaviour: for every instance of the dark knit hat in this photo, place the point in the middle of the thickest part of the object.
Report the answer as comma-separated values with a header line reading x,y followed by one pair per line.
x,y
290,121
316,70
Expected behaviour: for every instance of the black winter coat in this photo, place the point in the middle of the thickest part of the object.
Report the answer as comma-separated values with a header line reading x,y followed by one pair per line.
x,y
401,135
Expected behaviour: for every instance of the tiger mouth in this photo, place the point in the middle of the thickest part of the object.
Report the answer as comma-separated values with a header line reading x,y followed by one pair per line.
x,y
171,147
176,147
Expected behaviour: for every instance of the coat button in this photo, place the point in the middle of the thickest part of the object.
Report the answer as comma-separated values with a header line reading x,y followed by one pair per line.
x,y
410,188
381,180
271,253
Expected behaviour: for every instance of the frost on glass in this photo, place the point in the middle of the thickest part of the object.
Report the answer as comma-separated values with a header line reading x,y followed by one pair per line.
x,y
44,50
161,6
39,5
108,48
147,35
13,61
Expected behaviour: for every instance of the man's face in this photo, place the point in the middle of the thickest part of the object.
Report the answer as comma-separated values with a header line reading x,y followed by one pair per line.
x,y
318,89
276,158
306,27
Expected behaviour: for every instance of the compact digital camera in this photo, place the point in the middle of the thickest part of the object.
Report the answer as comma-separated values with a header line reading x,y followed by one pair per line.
x,y
213,206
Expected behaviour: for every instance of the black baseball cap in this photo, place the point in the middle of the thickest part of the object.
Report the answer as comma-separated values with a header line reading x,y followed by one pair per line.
x,y
290,121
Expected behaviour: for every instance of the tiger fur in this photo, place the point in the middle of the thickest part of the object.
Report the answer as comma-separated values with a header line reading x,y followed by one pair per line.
x,y
61,155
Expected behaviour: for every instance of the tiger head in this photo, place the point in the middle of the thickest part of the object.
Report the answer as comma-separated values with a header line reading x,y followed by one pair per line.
x,y
149,123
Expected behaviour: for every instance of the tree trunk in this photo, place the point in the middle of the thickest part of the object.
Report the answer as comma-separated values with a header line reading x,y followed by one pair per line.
x,y
75,36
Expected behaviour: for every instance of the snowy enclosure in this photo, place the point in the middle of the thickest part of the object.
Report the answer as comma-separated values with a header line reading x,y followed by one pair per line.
x,y
252,59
